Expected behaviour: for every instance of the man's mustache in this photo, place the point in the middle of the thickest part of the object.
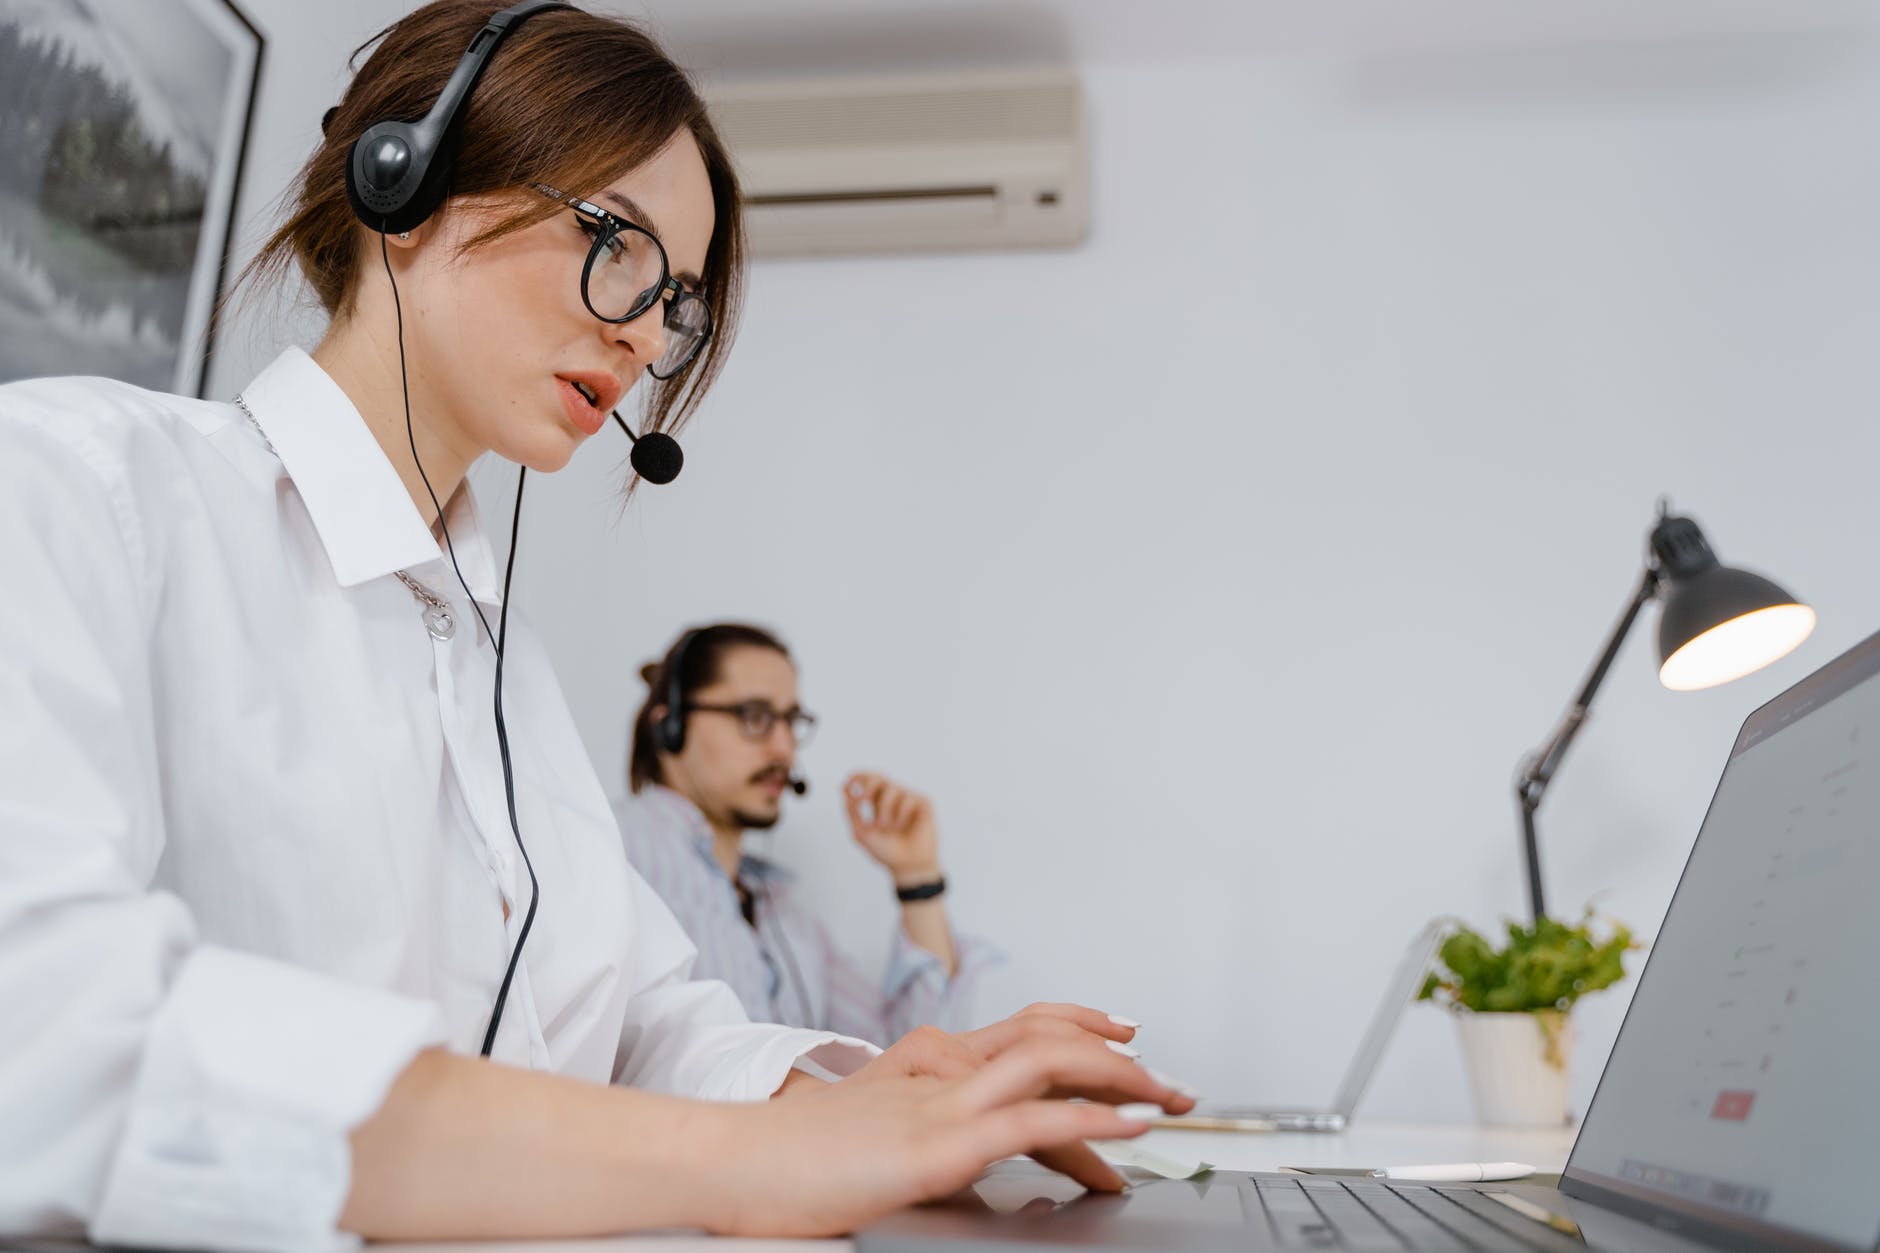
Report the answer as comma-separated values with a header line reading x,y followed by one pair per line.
x,y
778,774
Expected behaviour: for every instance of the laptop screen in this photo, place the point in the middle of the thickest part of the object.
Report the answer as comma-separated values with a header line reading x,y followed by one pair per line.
x,y
1744,1087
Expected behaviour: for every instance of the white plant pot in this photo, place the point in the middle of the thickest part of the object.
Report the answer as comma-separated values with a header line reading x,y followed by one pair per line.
x,y
1518,1066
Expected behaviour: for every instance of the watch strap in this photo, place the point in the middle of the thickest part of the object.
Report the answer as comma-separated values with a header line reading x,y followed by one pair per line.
x,y
920,891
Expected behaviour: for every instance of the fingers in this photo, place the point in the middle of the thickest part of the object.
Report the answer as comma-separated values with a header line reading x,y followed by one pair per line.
x,y
1053,1132
874,800
856,793
989,1042
1003,1036
861,788
905,808
860,797
1142,1087
932,1053
1095,1021
1064,1068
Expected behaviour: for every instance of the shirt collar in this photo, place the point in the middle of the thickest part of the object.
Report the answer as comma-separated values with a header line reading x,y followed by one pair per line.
x,y
698,831
360,509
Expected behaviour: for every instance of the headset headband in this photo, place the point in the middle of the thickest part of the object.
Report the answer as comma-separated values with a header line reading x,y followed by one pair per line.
x,y
398,173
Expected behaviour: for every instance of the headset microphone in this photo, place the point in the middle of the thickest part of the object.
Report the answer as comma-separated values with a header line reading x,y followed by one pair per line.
x,y
656,456
799,785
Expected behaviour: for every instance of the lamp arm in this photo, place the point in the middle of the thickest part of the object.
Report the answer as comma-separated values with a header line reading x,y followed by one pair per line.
x,y
1538,767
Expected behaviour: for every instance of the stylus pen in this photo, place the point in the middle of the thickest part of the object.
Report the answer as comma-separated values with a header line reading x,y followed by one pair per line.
x,y
1458,1172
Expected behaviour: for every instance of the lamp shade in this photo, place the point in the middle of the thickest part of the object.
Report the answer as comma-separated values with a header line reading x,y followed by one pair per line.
x,y
1727,624
1717,623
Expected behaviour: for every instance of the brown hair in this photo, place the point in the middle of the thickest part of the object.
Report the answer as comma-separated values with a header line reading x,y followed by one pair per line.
x,y
702,664
571,99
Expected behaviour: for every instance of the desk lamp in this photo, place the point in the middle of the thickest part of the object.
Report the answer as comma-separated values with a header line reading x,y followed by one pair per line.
x,y
1717,624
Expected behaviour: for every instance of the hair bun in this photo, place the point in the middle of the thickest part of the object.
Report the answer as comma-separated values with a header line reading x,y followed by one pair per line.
x,y
649,673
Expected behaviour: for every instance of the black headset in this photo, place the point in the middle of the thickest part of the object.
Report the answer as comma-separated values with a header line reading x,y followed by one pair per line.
x,y
669,727
669,730
398,173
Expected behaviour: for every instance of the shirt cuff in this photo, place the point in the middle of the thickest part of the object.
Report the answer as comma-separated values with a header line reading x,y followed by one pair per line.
x,y
252,1077
823,1054
908,962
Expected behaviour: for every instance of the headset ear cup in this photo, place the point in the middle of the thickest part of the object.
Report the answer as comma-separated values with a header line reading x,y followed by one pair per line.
x,y
397,173
671,728
670,731
394,178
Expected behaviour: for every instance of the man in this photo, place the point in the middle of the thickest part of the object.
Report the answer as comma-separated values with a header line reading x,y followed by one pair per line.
x,y
714,746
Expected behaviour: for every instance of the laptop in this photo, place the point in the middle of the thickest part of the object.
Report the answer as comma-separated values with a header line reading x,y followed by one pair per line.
x,y
1739,1109
1405,982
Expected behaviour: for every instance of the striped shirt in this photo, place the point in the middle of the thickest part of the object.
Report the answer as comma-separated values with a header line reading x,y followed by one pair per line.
x,y
785,969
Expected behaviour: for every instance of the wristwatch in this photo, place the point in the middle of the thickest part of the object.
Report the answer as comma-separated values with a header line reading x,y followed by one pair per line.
x,y
921,891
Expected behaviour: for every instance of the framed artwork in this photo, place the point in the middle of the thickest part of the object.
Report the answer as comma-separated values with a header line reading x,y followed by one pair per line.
x,y
122,129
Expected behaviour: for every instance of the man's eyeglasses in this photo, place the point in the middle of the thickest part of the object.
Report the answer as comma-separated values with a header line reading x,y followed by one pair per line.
x,y
627,274
757,718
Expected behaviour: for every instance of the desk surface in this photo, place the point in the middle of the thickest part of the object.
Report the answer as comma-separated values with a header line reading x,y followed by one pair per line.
x,y
1366,1144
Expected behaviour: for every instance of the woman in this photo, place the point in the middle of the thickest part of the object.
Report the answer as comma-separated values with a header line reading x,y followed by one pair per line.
x,y
267,862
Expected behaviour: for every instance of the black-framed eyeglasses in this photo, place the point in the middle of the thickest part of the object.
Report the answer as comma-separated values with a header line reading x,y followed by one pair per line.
x,y
758,718
627,274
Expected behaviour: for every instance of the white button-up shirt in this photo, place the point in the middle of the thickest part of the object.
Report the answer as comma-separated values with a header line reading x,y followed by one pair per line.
x,y
254,847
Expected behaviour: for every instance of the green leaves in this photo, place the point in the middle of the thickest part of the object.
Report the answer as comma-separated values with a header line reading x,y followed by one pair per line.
x,y
1547,966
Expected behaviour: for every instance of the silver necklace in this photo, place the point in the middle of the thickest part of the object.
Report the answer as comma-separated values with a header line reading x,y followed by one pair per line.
x,y
438,619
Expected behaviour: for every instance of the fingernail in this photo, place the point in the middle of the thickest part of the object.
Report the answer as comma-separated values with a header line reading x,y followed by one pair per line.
x,y
1141,1112
1117,1046
1121,1021
1167,1082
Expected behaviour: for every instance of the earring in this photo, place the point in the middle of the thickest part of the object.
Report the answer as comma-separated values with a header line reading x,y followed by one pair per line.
x,y
404,234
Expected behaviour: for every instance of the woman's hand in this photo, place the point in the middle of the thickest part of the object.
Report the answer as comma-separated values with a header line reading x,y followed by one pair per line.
x,y
831,1159
463,1148
1076,1033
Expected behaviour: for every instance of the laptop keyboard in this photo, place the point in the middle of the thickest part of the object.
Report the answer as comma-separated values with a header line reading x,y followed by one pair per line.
x,y
1334,1213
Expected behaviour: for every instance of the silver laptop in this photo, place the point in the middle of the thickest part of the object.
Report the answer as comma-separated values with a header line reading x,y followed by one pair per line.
x,y
1405,982
1740,1108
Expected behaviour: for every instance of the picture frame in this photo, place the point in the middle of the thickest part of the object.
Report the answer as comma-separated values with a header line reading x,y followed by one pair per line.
x,y
123,131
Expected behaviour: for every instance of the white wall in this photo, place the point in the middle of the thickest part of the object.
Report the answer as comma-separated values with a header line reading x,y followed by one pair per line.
x,y
1214,576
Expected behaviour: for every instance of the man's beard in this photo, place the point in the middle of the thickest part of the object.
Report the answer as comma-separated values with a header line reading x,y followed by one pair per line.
x,y
763,822
753,822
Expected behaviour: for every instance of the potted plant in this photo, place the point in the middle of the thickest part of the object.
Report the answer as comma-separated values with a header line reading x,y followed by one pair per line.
x,y
1511,1005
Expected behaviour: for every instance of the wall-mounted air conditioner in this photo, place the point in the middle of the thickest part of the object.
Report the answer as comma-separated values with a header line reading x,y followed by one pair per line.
x,y
965,161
